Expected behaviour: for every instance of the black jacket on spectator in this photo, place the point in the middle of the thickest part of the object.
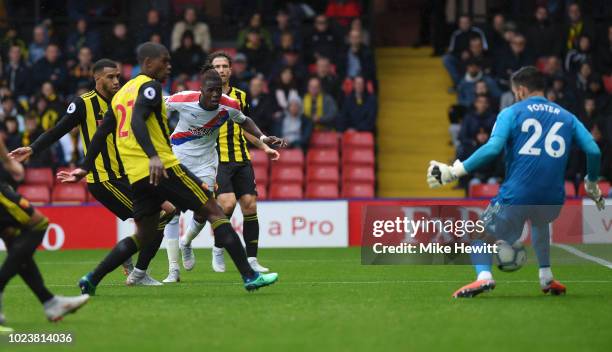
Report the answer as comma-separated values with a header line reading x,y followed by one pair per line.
x,y
331,85
366,59
460,41
543,39
43,71
257,58
358,115
188,60
18,79
263,110
603,59
508,62
323,43
120,50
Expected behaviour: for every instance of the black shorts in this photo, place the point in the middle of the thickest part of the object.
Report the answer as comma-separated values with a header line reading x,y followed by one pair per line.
x,y
15,211
115,195
237,178
182,188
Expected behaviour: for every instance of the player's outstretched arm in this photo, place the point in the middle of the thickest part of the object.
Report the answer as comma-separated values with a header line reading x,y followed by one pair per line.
x,y
272,154
593,156
74,116
249,126
439,174
149,98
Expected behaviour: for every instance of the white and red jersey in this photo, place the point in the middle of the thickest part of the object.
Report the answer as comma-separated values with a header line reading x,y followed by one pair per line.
x,y
197,130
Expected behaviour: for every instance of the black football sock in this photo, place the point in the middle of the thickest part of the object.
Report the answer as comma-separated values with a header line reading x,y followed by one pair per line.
x,y
119,254
217,242
228,238
31,275
149,251
20,249
250,232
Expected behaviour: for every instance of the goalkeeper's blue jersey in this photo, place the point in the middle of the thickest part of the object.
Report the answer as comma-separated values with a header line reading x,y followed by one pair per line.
x,y
537,137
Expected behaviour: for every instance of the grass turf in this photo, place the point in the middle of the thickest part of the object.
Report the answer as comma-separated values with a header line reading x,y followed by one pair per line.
x,y
325,300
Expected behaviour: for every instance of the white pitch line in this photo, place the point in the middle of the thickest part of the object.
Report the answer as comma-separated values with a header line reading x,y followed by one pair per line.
x,y
583,255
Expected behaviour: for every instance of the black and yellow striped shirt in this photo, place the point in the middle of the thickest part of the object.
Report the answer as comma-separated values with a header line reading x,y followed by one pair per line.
x,y
231,144
89,110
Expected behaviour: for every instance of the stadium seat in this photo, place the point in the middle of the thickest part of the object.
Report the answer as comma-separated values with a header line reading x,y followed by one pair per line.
x,y
262,192
570,189
259,158
35,194
281,190
39,176
287,174
323,173
484,190
91,198
607,80
323,156
322,190
69,193
603,185
292,157
357,140
357,190
358,174
324,140
261,175
193,85
358,157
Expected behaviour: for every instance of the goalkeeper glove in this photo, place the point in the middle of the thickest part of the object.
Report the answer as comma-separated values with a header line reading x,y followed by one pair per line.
x,y
440,174
593,191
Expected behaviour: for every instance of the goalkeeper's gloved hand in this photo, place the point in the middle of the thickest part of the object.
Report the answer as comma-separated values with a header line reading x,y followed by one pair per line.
x,y
593,191
440,174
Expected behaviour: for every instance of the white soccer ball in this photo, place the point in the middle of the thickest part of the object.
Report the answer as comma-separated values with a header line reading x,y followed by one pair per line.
x,y
510,257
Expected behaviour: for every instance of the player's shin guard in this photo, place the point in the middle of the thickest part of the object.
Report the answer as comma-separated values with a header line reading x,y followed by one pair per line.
x,y
194,230
171,233
148,252
217,243
20,252
482,261
228,238
122,250
250,232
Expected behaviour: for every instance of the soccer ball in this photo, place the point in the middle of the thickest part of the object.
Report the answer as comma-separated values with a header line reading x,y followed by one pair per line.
x,y
510,257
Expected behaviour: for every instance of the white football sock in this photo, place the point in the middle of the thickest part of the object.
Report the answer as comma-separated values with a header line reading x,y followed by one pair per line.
x,y
194,230
546,275
485,275
171,232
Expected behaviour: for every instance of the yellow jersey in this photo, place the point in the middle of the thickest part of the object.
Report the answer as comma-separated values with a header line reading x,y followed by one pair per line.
x,y
231,144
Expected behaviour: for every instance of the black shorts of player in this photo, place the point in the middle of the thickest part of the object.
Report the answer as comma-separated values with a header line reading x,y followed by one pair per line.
x,y
237,178
15,211
182,188
115,195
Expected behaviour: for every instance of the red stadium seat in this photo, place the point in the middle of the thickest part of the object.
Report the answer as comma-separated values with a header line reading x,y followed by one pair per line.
x,y
69,193
261,175
287,174
285,191
570,189
358,157
91,198
357,140
35,194
323,173
357,190
607,80
322,190
262,192
603,185
39,176
259,158
323,156
484,190
293,157
358,174
324,140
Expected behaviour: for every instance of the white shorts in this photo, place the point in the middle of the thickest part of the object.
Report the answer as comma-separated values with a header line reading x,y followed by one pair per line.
x,y
203,166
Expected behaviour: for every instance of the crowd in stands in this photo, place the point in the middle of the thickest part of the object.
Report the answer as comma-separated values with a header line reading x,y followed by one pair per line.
x,y
302,71
575,54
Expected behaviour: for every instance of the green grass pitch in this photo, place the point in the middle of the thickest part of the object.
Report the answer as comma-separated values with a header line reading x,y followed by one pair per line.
x,y
324,301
